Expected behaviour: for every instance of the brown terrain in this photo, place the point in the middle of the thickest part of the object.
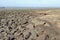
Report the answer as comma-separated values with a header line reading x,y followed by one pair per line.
x,y
30,24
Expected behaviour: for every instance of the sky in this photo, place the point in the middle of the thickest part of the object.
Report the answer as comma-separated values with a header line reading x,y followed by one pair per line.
x,y
29,3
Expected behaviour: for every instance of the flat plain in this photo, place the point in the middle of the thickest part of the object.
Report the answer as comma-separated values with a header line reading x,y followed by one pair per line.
x,y
30,24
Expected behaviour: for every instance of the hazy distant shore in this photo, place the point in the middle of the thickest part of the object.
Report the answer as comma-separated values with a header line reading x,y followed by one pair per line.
x,y
29,8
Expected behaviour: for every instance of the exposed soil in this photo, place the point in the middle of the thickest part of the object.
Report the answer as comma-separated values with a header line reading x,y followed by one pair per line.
x,y
30,24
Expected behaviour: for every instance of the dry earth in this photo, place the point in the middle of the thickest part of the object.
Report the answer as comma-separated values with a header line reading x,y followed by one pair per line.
x,y
31,24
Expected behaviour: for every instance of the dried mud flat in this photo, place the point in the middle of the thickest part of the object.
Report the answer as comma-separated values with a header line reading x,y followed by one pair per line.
x,y
30,24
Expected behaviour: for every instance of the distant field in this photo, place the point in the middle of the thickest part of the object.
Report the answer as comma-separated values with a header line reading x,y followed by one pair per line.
x,y
30,24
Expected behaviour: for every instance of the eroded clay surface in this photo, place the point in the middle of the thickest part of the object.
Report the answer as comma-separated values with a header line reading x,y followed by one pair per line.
x,y
29,25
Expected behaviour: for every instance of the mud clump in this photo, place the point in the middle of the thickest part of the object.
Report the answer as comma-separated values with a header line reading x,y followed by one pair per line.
x,y
25,25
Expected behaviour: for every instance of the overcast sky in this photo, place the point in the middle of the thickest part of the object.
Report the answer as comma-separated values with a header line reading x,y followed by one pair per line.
x,y
29,3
